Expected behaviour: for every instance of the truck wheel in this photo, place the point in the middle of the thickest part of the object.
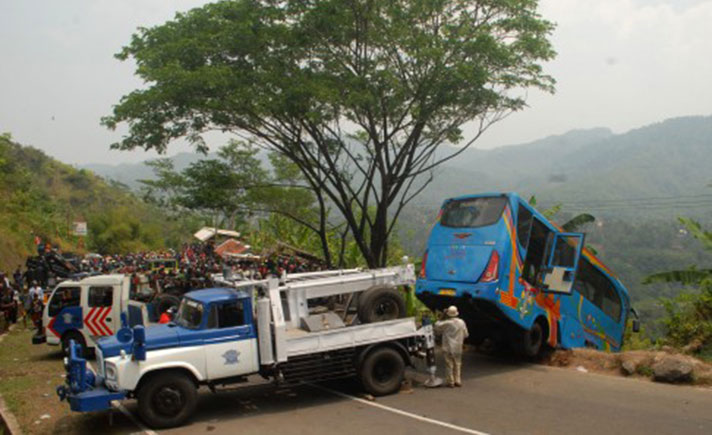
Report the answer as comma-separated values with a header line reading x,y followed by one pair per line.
x,y
164,302
382,371
78,338
380,304
167,399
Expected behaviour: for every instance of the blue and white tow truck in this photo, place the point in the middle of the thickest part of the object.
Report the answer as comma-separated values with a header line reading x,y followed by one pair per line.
x,y
220,337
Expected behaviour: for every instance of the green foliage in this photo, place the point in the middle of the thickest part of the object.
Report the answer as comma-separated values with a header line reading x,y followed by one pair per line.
x,y
223,189
636,340
42,197
688,320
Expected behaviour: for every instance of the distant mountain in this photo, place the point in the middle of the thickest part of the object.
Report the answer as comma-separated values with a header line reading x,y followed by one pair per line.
x,y
671,158
592,168
130,173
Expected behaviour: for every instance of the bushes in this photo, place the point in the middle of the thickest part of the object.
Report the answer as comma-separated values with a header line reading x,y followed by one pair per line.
x,y
688,321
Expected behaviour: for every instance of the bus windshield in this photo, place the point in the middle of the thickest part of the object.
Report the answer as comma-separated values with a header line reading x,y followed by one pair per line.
x,y
473,212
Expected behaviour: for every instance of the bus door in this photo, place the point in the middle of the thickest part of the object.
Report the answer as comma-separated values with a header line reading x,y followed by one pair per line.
x,y
564,252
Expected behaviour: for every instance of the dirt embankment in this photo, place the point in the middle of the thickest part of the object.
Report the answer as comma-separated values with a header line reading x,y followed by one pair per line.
x,y
657,365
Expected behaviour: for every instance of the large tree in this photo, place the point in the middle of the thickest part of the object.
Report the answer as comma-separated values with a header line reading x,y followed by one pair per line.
x,y
362,95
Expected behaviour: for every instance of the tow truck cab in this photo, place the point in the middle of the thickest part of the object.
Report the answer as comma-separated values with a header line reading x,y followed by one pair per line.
x,y
213,337
86,310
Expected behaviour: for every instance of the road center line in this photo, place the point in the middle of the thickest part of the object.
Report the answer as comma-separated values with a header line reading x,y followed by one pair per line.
x,y
400,412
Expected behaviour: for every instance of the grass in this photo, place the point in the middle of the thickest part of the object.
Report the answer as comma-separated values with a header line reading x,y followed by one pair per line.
x,y
29,376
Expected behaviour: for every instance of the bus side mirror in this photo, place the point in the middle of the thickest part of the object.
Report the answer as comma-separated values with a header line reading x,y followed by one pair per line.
x,y
636,325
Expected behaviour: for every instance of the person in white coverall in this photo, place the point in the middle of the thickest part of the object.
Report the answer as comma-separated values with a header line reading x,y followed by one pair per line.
x,y
454,332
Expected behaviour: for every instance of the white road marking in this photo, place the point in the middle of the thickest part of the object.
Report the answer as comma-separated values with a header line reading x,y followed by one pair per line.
x,y
128,414
401,412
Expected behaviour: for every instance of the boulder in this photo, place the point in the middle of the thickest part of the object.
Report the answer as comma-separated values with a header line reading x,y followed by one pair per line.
x,y
629,367
672,368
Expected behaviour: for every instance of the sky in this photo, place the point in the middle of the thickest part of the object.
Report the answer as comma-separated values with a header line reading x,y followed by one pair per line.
x,y
621,64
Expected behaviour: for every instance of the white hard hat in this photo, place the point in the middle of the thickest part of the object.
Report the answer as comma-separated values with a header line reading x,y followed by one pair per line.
x,y
452,311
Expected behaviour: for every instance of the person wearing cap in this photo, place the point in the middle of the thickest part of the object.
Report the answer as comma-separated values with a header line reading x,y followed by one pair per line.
x,y
454,332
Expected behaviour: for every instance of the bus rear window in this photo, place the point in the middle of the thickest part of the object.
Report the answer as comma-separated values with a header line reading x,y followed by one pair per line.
x,y
473,212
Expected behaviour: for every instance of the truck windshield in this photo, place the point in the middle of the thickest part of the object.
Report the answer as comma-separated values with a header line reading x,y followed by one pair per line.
x,y
190,314
473,212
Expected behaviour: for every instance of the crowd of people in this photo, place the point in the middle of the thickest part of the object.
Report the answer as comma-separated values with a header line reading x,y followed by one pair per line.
x,y
22,295
19,302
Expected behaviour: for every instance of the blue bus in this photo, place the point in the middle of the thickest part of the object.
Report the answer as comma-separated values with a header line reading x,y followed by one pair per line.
x,y
518,278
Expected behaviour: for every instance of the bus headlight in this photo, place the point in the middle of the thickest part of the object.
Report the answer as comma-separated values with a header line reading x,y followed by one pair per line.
x,y
110,372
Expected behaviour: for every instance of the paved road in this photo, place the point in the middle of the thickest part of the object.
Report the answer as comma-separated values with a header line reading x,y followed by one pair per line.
x,y
498,397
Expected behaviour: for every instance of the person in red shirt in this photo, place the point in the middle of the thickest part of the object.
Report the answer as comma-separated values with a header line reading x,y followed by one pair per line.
x,y
167,316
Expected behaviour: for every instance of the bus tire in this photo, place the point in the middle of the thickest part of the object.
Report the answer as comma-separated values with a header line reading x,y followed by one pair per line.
x,y
531,341
78,338
167,399
380,304
382,371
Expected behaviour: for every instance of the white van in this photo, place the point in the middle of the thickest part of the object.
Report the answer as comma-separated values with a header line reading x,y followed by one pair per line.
x,y
89,309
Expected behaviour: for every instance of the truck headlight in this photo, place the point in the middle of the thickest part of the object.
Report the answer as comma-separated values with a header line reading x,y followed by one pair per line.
x,y
110,372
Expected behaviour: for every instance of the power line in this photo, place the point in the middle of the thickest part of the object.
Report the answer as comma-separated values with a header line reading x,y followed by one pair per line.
x,y
659,199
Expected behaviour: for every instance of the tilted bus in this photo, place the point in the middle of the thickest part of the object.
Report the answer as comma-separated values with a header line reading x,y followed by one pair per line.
x,y
517,277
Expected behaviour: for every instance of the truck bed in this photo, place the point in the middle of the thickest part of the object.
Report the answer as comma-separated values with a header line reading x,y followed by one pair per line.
x,y
301,342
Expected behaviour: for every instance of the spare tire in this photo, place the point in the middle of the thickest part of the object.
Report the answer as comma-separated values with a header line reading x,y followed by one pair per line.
x,y
165,301
380,304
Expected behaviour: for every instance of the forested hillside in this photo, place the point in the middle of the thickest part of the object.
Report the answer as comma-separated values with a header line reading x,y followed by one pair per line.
x,y
42,197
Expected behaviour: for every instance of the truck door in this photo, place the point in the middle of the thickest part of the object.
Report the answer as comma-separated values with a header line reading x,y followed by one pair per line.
x,y
562,262
231,349
64,312
103,306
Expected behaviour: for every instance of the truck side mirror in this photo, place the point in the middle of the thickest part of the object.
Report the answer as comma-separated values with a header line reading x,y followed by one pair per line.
x,y
139,343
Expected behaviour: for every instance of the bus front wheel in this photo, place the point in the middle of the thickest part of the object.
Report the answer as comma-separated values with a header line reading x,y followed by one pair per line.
x,y
530,342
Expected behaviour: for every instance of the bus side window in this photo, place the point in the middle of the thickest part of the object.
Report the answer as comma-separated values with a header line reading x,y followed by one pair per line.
x,y
64,297
598,289
101,296
524,225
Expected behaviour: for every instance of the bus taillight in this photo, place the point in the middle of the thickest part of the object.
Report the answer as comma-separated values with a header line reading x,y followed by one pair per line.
x,y
422,265
492,271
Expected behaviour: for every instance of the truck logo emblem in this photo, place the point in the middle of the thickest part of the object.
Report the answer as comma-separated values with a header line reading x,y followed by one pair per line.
x,y
67,317
231,357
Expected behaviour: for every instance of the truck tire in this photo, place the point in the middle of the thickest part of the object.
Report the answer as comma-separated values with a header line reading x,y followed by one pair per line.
x,y
165,301
380,304
382,371
78,338
167,399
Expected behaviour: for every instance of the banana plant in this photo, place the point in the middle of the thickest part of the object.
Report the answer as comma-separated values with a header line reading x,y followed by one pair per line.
x,y
572,224
692,276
